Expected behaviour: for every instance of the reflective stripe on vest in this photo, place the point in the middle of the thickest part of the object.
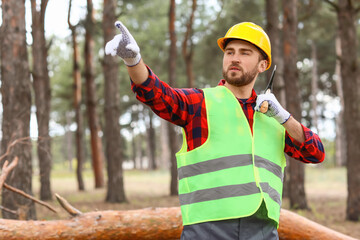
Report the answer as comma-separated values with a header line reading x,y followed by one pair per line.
x,y
228,162
227,192
233,171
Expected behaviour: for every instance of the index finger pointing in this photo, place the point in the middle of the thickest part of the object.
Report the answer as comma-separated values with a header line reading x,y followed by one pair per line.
x,y
121,27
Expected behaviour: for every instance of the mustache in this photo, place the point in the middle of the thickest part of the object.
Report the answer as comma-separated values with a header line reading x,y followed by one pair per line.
x,y
235,66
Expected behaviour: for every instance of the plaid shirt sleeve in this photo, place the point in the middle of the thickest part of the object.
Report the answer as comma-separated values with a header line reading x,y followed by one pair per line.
x,y
310,151
177,106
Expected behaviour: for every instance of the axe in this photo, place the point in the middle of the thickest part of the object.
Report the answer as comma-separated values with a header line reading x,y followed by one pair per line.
x,y
265,105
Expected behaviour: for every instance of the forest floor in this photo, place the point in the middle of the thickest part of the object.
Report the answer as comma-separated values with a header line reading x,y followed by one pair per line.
x,y
325,189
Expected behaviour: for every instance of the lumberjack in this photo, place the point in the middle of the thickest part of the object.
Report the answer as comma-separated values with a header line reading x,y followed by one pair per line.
x,y
231,164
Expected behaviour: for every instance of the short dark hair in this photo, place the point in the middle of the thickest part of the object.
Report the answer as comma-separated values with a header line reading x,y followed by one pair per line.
x,y
263,54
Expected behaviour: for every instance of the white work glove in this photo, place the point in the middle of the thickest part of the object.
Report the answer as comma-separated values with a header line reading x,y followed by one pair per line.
x,y
124,45
275,110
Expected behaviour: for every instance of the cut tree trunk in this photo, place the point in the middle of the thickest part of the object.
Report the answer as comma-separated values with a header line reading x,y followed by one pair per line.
x,y
151,223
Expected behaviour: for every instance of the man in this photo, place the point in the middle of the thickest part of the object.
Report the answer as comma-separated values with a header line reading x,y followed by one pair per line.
x,y
232,162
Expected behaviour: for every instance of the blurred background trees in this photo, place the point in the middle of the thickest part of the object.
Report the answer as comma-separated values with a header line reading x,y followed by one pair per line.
x,y
317,52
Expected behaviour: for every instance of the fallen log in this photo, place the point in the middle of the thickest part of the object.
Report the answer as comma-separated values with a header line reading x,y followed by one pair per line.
x,y
296,227
154,223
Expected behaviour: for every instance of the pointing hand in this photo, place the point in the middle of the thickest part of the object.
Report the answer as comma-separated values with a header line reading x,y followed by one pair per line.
x,y
124,45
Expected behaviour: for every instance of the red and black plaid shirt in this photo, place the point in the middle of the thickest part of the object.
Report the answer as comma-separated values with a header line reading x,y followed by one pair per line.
x,y
186,108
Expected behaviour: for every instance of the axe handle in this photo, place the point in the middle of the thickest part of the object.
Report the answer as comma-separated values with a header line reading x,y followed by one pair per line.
x,y
265,105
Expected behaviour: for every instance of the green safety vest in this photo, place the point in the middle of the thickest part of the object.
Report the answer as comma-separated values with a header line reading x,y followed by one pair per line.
x,y
233,171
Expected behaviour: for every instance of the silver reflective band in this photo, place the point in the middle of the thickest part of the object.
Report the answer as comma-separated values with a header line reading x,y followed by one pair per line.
x,y
218,193
227,192
270,166
228,162
214,165
273,194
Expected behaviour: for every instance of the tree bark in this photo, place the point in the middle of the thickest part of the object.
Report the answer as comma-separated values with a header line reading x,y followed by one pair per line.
x,y
314,85
164,141
16,101
272,29
134,149
172,78
297,188
113,144
350,85
41,84
340,140
80,152
289,229
156,223
187,47
96,145
68,142
151,139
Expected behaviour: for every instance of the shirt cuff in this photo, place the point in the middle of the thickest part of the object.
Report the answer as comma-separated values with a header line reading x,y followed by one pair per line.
x,y
145,89
308,139
310,151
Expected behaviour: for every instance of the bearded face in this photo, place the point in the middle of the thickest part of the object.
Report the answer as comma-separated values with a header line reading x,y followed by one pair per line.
x,y
236,76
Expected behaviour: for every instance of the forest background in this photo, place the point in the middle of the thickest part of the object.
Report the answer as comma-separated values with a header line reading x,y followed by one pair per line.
x,y
85,117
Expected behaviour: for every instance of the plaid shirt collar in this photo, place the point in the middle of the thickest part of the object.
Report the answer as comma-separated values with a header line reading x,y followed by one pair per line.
x,y
253,97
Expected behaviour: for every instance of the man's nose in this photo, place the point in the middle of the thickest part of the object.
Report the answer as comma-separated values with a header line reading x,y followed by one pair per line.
x,y
235,59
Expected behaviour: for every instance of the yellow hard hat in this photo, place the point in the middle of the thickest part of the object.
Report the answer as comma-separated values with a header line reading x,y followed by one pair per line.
x,y
252,33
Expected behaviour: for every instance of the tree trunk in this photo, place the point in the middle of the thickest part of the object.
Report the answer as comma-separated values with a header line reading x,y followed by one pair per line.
x,y
172,77
16,101
314,86
289,229
350,85
68,145
164,141
187,47
272,28
41,83
96,145
134,149
340,140
113,144
297,189
151,139
80,151
155,223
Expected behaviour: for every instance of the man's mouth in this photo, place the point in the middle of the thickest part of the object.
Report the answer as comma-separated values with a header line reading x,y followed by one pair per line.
x,y
234,68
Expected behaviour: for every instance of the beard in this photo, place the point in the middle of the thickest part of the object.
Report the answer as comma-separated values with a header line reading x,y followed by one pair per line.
x,y
244,79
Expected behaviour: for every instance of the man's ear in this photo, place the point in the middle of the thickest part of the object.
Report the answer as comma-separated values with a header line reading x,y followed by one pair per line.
x,y
263,65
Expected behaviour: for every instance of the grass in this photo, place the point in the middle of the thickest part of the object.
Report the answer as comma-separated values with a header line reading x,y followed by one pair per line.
x,y
325,189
